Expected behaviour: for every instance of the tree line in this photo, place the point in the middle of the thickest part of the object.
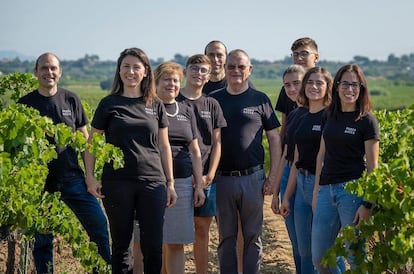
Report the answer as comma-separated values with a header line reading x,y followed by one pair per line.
x,y
90,68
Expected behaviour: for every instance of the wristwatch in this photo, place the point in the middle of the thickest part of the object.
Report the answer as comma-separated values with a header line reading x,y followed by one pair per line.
x,y
367,205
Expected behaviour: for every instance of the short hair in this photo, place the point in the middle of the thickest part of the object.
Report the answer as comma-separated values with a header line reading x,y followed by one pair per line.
x,y
169,68
303,100
198,59
303,42
363,103
147,83
294,69
238,51
215,42
44,55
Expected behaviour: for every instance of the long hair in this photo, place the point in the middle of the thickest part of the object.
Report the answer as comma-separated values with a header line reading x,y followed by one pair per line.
x,y
303,100
147,85
363,103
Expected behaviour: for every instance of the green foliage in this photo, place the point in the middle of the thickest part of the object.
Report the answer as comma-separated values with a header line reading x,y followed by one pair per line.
x,y
14,85
25,151
390,231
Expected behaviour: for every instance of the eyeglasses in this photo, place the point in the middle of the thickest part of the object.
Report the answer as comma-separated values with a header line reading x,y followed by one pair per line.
x,y
199,70
233,67
303,54
346,85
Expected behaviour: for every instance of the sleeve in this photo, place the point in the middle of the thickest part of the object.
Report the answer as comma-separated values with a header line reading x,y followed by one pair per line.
x,y
219,120
81,118
269,118
281,101
100,118
162,115
372,129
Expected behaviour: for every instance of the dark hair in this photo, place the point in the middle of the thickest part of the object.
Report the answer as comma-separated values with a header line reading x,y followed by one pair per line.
x,y
302,42
363,103
303,100
198,59
147,84
215,42
43,55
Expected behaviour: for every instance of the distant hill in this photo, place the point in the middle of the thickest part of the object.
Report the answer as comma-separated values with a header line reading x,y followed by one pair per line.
x,y
11,54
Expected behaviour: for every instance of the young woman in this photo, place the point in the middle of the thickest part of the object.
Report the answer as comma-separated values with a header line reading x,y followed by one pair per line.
x,y
315,95
349,145
133,119
292,82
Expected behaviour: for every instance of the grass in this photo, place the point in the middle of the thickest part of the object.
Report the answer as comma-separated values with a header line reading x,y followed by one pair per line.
x,y
384,93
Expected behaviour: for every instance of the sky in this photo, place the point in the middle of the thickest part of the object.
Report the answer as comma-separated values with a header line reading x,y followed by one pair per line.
x,y
265,29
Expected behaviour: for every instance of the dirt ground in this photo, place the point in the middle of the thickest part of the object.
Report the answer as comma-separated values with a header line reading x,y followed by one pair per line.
x,y
277,253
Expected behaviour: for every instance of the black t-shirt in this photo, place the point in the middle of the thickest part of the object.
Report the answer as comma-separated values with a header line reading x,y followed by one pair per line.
x,y
133,127
63,107
181,132
292,121
211,86
307,139
344,146
209,116
284,104
247,115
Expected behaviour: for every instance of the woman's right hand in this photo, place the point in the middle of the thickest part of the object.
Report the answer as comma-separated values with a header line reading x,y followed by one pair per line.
x,y
285,208
94,187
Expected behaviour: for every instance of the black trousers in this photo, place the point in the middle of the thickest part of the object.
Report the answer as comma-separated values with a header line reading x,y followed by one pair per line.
x,y
123,201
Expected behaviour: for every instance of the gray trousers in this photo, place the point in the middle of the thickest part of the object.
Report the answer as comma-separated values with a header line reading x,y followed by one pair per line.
x,y
241,196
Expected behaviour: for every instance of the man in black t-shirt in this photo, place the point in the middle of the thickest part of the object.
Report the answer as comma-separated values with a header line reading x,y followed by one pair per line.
x,y
241,180
65,174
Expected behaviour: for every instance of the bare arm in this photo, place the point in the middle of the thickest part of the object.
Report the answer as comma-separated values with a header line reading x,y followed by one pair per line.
x,y
371,155
319,163
276,186
275,152
291,186
195,155
94,187
214,157
166,161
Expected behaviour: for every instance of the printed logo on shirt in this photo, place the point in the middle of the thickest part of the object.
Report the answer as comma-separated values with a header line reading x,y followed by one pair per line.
x,y
350,130
181,117
248,111
316,128
66,112
150,111
206,114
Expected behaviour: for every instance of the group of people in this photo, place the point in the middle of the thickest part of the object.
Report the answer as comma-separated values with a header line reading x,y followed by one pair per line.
x,y
196,152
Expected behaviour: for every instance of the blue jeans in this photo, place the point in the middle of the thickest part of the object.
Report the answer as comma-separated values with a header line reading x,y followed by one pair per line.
x,y
303,220
90,214
335,209
240,196
290,219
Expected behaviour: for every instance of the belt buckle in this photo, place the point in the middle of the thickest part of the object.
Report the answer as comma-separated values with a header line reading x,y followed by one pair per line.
x,y
235,173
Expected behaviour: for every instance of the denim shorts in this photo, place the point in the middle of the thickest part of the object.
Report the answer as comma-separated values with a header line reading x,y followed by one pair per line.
x,y
208,209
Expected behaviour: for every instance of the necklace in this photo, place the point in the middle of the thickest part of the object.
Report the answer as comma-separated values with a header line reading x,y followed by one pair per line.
x,y
176,111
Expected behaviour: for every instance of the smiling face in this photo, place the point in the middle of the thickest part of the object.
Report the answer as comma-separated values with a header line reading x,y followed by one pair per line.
x,y
197,74
292,83
168,87
316,87
48,72
305,56
238,69
131,72
216,52
348,90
